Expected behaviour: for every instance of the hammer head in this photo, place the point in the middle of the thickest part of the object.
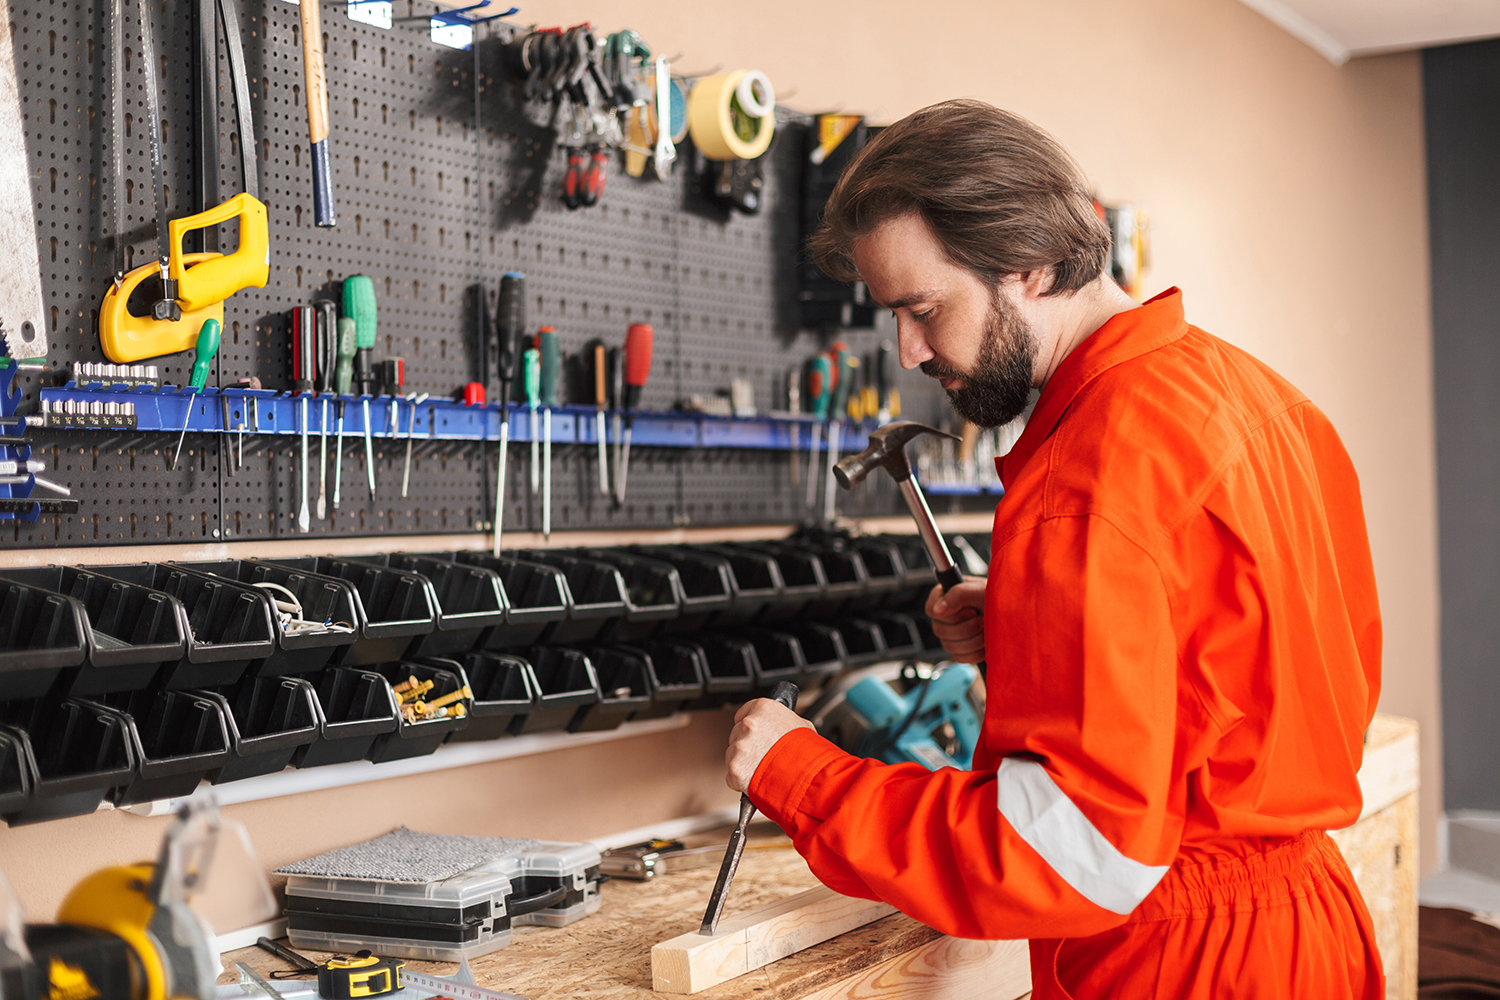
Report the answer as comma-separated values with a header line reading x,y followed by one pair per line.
x,y
887,449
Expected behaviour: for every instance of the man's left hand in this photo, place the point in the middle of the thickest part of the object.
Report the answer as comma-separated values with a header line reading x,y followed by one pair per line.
x,y
757,726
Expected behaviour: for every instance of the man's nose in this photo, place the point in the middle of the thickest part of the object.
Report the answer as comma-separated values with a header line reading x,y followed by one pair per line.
x,y
911,346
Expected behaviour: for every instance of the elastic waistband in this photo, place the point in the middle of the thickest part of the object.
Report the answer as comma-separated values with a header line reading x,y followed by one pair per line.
x,y
1276,876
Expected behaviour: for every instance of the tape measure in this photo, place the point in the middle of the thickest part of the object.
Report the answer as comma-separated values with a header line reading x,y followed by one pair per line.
x,y
364,975
732,115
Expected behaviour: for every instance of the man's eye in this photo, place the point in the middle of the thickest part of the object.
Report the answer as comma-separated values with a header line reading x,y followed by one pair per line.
x,y
922,317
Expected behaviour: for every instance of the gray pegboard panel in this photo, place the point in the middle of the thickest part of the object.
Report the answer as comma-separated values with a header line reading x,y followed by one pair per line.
x,y
442,179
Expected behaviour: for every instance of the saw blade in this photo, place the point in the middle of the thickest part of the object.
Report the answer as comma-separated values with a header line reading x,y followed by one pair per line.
x,y
22,321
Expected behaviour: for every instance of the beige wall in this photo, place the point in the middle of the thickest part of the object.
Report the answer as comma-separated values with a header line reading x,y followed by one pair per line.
x,y
1287,199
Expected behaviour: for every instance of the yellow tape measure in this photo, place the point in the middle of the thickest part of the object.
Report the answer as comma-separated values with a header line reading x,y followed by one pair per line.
x,y
364,975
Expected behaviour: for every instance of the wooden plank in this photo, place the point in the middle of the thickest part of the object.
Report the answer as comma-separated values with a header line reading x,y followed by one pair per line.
x,y
692,962
1381,851
1390,768
941,970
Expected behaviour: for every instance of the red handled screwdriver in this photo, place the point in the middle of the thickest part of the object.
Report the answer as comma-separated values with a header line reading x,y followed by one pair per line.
x,y
638,343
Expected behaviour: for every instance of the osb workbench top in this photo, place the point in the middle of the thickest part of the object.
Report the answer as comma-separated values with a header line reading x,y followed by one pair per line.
x,y
608,955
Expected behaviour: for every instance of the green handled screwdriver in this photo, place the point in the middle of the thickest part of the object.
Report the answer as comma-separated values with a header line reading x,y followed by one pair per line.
x,y
204,351
819,385
551,357
531,379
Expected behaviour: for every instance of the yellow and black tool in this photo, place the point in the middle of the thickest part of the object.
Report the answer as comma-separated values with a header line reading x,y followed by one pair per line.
x,y
125,933
364,975
193,286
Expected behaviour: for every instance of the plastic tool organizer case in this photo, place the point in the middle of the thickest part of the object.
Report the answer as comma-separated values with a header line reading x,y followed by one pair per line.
x,y
462,916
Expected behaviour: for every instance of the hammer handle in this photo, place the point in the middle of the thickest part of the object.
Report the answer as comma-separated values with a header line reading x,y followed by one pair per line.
x,y
950,578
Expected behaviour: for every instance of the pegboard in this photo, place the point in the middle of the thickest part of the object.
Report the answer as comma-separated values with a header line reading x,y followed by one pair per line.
x,y
443,180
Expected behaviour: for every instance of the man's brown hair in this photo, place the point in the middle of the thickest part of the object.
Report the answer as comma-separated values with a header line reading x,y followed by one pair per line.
x,y
1001,195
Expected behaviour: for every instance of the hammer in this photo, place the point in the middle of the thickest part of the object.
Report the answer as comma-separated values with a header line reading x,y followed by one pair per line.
x,y
887,450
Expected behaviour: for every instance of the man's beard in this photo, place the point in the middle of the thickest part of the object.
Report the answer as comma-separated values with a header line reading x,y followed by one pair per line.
x,y
999,387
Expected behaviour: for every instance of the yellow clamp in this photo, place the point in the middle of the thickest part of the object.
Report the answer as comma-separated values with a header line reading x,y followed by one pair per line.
x,y
204,280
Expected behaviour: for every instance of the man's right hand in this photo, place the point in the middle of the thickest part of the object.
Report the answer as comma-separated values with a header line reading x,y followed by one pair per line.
x,y
958,619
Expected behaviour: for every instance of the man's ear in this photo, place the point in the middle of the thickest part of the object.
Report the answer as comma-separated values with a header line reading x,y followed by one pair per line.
x,y
1033,284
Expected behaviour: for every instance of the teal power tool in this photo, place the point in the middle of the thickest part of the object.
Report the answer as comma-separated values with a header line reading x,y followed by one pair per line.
x,y
899,714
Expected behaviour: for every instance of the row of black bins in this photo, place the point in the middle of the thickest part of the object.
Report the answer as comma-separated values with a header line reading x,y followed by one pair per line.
x,y
136,682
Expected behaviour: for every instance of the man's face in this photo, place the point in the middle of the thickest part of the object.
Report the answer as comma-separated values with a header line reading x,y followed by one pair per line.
x,y
958,329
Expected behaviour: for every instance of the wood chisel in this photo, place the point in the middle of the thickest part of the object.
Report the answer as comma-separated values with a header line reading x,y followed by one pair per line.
x,y
786,693
601,399
22,323
327,340
510,323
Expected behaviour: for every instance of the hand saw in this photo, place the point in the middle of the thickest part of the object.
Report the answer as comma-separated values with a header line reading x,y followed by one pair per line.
x,y
22,322
194,285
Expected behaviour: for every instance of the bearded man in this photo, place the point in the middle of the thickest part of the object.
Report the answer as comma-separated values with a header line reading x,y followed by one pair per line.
x,y
1180,621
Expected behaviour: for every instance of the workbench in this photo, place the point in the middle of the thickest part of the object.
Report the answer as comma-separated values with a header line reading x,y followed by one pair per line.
x,y
607,956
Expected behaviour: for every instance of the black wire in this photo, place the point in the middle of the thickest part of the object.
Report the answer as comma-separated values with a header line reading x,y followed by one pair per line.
x,y
896,734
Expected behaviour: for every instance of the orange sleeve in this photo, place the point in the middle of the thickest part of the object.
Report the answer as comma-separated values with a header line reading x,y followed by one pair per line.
x,y
1075,807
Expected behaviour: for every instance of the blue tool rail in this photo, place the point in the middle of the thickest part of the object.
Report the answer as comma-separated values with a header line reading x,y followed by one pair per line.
x,y
941,489
266,411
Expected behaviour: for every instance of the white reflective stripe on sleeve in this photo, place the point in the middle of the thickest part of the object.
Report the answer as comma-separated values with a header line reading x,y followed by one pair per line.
x,y
1057,830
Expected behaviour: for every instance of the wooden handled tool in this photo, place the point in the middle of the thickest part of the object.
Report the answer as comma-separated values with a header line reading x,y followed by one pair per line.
x,y
316,85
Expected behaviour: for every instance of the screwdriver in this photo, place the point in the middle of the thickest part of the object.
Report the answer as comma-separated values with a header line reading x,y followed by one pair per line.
x,y
304,380
844,366
794,427
550,350
343,378
883,380
359,305
411,429
203,354
393,380
601,397
819,377
638,343
510,320
616,368
531,380
328,325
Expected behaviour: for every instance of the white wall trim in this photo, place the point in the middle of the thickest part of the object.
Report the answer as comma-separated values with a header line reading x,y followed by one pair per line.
x,y
1299,27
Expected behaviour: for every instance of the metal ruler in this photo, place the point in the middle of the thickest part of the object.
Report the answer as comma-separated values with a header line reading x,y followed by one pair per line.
x,y
451,988
22,322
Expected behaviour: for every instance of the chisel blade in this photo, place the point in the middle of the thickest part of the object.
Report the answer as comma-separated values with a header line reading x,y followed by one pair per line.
x,y
786,693
730,865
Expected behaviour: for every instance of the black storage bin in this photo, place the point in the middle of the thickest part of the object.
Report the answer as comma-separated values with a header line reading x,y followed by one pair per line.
x,y
537,597
565,682
504,691
306,648
885,572
731,666
597,589
754,582
269,720
423,736
678,668
470,600
395,610
864,642
178,737
778,657
354,707
847,580
77,752
625,687
41,632
228,624
706,582
16,770
920,576
802,579
822,648
900,633
653,593
133,631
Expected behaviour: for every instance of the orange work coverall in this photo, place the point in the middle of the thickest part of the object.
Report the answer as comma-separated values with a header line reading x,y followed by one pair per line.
x,y
1183,647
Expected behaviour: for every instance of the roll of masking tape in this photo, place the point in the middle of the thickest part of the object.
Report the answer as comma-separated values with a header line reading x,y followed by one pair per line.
x,y
722,129
755,94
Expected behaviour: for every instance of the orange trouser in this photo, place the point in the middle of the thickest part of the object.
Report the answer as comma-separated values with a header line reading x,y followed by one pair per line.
x,y
1285,922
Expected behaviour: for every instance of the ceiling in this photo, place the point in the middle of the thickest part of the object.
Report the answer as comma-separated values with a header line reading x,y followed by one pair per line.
x,y
1342,29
